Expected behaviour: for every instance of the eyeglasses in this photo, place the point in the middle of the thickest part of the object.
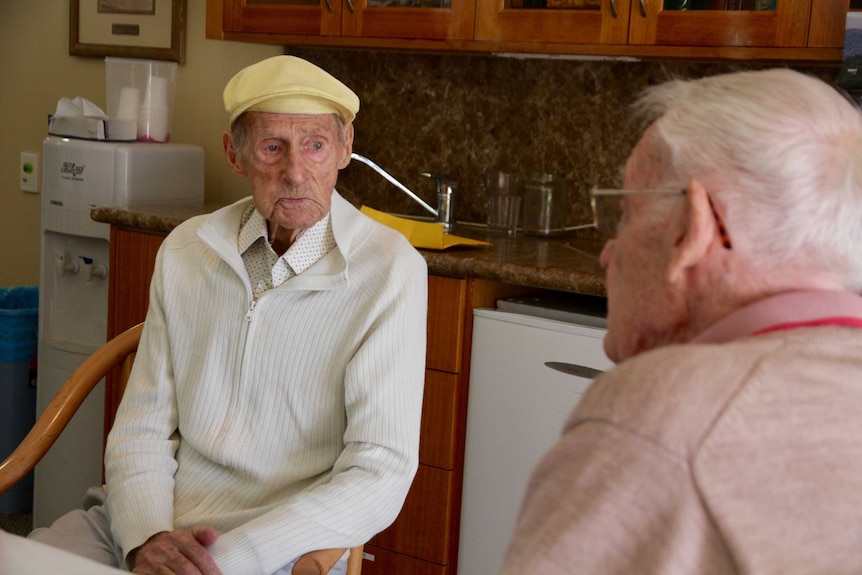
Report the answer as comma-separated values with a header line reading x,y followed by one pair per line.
x,y
607,210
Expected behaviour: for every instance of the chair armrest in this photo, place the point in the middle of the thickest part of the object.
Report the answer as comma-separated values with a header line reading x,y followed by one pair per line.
x,y
319,562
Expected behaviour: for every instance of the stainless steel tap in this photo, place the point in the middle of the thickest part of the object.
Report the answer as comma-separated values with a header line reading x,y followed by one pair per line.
x,y
389,178
446,186
446,202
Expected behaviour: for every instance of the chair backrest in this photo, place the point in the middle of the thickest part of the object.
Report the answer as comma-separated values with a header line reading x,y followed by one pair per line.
x,y
119,352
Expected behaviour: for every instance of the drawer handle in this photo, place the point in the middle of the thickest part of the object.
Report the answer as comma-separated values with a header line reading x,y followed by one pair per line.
x,y
614,8
574,369
350,6
642,5
329,5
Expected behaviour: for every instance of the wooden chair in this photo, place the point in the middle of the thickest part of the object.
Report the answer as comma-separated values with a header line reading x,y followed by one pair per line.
x,y
120,353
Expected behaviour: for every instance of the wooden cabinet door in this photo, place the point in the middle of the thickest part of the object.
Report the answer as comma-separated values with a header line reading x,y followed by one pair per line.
x,y
441,439
303,17
426,528
410,19
132,260
827,23
377,561
595,22
785,26
447,313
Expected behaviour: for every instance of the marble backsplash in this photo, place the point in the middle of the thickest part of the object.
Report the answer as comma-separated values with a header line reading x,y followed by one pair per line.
x,y
464,115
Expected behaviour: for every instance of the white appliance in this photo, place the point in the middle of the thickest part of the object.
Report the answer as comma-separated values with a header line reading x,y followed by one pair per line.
x,y
77,176
516,409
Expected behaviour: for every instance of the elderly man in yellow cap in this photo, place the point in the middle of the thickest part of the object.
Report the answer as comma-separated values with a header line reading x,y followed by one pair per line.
x,y
275,401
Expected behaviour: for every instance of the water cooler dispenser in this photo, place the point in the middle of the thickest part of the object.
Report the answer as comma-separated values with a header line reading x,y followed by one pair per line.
x,y
79,175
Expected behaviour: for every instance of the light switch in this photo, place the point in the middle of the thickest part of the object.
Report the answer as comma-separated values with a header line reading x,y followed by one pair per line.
x,y
28,173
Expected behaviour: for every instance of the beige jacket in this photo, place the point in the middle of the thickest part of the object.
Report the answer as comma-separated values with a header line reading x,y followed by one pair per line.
x,y
735,457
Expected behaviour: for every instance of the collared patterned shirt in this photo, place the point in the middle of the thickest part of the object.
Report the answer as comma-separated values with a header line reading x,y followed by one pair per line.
x,y
265,268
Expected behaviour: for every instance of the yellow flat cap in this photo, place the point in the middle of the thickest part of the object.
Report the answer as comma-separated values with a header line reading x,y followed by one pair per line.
x,y
288,85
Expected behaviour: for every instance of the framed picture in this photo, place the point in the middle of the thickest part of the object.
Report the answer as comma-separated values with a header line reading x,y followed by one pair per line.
x,y
146,29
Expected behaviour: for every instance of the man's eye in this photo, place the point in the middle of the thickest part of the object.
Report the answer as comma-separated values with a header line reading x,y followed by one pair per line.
x,y
271,147
316,146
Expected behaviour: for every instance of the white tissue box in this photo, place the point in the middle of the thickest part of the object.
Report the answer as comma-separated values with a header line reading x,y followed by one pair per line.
x,y
89,128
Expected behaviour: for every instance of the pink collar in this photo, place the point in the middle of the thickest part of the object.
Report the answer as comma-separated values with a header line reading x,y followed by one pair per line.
x,y
841,321
786,311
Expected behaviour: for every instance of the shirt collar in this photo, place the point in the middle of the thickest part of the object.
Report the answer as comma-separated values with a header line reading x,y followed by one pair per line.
x,y
252,226
785,308
311,244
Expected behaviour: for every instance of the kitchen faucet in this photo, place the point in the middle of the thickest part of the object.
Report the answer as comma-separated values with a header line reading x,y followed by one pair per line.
x,y
444,214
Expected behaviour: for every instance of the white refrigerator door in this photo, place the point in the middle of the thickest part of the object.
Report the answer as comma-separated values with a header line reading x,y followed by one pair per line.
x,y
516,409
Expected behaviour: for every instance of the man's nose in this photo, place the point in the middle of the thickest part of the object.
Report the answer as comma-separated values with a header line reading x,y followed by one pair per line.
x,y
607,252
293,169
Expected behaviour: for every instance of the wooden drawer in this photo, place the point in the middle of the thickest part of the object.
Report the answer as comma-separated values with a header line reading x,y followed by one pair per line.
x,y
446,313
424,528
377,561
437,443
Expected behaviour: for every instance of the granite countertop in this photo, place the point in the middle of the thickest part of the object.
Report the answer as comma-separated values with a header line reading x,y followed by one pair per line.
x,y
567,263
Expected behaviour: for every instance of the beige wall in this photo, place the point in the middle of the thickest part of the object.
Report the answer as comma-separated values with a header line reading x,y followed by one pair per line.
x,y
36,71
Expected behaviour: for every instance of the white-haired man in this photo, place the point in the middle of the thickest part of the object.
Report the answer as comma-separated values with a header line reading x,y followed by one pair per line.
x,y
727,438
275,401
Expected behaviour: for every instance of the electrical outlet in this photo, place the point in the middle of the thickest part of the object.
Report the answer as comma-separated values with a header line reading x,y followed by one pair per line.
x,y
28,173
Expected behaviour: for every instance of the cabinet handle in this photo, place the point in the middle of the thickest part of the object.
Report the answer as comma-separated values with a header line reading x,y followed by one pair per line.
x,y
641,3
574,369
329,6
352,11
613,8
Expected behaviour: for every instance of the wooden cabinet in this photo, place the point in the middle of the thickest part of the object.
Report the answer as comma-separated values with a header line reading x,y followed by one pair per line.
x,y
606,22
424,537
379,561
792,24
131,263
410,19
793,30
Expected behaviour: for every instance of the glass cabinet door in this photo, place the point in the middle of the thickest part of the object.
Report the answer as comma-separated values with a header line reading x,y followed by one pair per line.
x,y
550,21
419,19
746,23
306,17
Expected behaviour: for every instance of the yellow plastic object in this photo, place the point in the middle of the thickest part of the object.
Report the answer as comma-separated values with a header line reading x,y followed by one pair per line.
x,y
421,234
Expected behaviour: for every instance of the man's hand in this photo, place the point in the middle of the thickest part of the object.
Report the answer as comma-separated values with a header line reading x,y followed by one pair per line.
x,y
180,552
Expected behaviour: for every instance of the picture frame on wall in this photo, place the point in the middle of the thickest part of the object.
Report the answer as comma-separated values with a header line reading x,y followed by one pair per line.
x,y
146,29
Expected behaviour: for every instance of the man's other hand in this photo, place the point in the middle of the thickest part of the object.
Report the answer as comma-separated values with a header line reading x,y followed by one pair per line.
x,y
182,552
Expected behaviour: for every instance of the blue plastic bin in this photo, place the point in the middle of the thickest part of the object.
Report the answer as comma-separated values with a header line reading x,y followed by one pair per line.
x,y
19,340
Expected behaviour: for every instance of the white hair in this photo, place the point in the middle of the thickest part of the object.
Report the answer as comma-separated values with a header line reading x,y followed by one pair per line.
x,y
780,152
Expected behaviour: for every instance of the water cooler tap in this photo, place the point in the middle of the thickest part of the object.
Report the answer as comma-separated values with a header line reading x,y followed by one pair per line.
x,y
92,270
64,265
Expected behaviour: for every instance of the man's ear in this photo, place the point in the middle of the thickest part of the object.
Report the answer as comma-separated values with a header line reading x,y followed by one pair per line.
x,y
348,146
698,233
230,152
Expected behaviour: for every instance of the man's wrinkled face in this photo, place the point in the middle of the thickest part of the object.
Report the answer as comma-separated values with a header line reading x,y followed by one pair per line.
x,y
292,163
642,310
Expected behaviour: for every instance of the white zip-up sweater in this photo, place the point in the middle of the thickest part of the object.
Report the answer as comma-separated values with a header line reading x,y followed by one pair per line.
x,y
289,425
